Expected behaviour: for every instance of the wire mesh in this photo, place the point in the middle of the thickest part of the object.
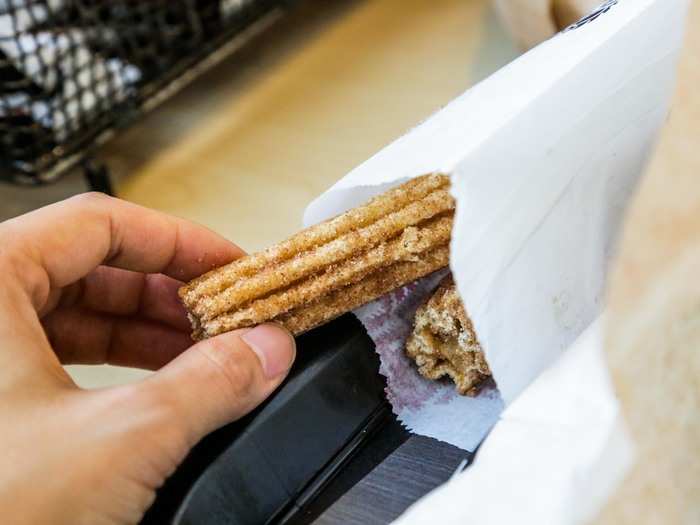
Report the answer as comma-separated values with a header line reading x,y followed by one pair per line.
x,y
71,69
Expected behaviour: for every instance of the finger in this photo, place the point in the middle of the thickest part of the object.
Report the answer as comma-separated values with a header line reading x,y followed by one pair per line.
x,y
223,378
59,244
81,336
121,292
25,354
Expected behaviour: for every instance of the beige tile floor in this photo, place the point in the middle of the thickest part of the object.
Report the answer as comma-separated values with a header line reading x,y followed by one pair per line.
x,y
247,146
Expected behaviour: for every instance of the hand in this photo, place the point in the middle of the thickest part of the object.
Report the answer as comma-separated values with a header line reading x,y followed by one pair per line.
x,y
94,280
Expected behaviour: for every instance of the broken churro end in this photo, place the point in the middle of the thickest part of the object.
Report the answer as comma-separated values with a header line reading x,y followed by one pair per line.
x,y
443,342
332,267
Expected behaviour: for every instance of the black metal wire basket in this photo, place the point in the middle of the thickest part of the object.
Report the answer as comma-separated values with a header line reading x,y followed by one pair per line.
x,y
74,71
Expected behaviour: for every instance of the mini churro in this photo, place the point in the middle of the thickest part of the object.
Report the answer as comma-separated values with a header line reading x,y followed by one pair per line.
x,y
443,341
332,267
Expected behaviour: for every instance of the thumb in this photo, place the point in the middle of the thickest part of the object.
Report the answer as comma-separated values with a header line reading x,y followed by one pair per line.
x,y
221,379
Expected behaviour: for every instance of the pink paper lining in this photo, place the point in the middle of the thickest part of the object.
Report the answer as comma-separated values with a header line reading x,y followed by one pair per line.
x,y
389,322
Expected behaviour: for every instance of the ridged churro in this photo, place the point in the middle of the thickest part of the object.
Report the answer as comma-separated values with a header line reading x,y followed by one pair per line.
x,y
443,341
332,267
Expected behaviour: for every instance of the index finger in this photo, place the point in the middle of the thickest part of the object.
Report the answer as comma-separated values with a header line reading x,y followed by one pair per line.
x,y
70,238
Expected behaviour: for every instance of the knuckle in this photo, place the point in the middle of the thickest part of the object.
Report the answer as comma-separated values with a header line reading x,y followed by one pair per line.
x,y
90,198
160,417
7,257
235,368
18,266
9,240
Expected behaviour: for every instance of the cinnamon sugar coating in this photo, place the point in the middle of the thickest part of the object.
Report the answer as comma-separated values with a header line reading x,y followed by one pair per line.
x,y
332,267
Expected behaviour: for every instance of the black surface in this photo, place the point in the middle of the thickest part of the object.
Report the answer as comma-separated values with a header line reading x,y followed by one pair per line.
x,y
411,471
387,439
324,449
279,457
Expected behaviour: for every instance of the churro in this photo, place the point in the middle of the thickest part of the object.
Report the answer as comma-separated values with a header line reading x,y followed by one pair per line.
x,y
332,267
443,342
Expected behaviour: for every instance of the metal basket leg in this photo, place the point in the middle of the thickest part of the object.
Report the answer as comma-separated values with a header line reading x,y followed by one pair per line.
x,y
97,176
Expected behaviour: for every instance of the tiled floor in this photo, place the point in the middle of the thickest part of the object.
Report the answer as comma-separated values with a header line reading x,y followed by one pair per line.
x,y
273,127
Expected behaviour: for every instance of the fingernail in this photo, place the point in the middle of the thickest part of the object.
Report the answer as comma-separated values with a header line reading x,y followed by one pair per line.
x,y
274,346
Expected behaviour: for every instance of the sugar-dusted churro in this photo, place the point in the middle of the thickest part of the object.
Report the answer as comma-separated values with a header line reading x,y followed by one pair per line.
x,y
332,267
443,341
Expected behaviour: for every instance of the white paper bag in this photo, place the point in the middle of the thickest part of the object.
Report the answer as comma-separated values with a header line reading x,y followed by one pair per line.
x,y
544,155
553,458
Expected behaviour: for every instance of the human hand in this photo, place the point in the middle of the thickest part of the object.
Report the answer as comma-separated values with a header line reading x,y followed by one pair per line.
x,y
94,280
